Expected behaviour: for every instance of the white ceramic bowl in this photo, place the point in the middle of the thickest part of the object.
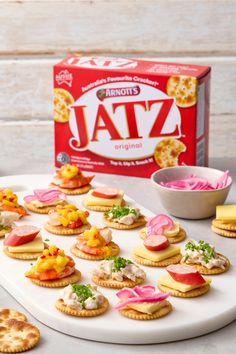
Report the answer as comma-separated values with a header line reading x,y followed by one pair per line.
x,y
189,204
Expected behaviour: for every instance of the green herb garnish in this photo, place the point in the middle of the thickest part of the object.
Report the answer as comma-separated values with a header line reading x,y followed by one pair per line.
x,y
207,251
118,212
83,292
46,239
119,262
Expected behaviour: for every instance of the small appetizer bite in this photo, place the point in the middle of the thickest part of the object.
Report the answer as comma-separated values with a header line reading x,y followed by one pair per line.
x,y
24,242
104,198
54,269
82,301
143,303
9,202
163,225
123,218
183,281
225,222
7,219
71,180
117,272
95,244
67,220
43,200
156,252
204,258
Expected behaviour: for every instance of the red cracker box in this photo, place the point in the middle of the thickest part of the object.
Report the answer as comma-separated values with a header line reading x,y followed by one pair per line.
x,y
129,116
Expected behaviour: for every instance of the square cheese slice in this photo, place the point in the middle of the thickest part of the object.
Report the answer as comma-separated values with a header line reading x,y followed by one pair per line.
x,y
156,256
36,245
148,307
166,280
226,213
96,201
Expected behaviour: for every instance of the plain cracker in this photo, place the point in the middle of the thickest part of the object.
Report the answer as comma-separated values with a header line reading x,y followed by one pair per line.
x,y
18,336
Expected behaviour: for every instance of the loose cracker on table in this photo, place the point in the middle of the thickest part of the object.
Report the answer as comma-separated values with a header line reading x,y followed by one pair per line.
x,y
65,231
115,284
136,315
73,191
178,238
192,293
18,336
6,314
164,263
224,233
115,225
59,283
43,210
81,313
213,271
90,257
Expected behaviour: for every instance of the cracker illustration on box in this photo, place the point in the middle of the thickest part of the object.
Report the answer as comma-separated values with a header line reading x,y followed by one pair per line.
x,y
167,152
184,89
62,100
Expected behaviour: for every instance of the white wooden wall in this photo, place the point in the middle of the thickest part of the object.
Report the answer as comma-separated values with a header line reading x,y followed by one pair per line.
x,y
35,34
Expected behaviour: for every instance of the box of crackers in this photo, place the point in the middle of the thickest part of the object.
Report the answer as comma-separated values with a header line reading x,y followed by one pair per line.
x,y
128,116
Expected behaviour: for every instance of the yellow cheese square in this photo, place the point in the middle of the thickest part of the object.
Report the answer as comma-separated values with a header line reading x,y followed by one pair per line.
x,y
147,307
166,280
36,245
96,201
156,256
226,213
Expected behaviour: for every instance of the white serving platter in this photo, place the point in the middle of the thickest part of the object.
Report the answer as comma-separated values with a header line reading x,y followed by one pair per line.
x,y
189,318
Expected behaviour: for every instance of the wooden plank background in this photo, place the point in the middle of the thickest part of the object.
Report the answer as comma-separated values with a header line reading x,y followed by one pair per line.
x,y
34,35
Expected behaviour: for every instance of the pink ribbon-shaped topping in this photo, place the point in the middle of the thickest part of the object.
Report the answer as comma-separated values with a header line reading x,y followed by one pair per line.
x,y
45,195
196,183
139,294
159,223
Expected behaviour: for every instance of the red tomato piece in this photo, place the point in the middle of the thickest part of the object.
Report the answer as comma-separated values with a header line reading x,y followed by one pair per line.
x,y
156,242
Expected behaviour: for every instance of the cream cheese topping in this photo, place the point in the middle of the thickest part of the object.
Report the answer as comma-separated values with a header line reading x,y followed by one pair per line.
x,y
7,218
129,219
106,270
71,299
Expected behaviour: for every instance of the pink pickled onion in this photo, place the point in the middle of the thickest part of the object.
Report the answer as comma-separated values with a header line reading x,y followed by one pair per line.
x,y
159,223
192,182
45,195
139,294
